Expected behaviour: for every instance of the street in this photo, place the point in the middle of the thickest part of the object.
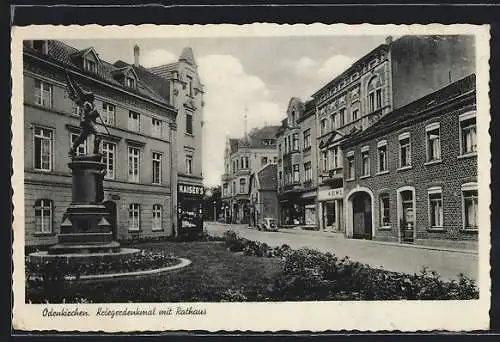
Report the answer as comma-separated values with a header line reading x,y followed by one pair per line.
x,y
391,257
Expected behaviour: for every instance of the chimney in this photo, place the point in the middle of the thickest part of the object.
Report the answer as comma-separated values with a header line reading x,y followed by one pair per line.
x,y
388,40
136,55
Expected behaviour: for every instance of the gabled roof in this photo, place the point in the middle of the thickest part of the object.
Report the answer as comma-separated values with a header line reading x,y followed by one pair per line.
x,y
165,70
255,139
64,55
295,102
124,69
187,56
258,135
156,83
330,138
268,179
84,52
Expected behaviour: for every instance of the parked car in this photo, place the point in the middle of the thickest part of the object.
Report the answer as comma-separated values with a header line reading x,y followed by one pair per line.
x,y
268,224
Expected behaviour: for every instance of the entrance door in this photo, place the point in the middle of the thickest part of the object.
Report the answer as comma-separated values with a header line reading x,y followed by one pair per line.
x,y
111,209
407,222
362,216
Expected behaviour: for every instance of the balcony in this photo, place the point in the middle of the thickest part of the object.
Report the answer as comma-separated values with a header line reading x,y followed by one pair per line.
x,y
225,177
294,187
242,172
333,177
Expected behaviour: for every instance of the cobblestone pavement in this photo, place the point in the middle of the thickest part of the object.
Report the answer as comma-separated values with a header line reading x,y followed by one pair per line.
x,y
392,257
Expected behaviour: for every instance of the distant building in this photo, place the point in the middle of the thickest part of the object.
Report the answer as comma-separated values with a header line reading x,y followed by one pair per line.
x,y
263,195
390,76
139,186
412,176
297,165
186,92
242,157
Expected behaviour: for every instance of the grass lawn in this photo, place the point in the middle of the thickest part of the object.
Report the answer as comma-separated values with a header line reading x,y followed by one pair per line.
x,y
213,274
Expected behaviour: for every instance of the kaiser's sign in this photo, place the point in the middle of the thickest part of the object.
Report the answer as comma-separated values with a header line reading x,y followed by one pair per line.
x,y
190,189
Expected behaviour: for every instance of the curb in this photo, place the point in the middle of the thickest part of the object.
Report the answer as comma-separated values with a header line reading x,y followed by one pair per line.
x,y
184,263
387,243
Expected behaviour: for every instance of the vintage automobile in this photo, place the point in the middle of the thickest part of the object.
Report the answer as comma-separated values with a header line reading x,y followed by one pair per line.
x,y
268,224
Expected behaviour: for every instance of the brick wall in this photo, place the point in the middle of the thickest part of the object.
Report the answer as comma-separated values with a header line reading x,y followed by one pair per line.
x,y
449,174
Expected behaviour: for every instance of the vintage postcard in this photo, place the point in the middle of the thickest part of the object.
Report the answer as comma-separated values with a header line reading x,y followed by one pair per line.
x,y
255,177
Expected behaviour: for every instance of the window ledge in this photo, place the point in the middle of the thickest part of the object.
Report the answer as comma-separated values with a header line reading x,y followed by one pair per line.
x,y
156,184
469,230
363,177
350,179
135,230
385,228
306,149
404,168
382,172
436,229
432,162
44,234
189,134
157,230
467,155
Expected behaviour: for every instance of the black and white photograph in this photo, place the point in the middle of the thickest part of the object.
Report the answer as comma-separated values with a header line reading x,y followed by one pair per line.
x,y
165,175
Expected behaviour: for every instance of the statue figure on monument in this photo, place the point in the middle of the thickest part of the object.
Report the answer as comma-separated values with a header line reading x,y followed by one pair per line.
x,y
88,120
88,116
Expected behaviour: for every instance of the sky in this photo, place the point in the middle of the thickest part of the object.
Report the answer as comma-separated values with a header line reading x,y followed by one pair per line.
x,y
259,73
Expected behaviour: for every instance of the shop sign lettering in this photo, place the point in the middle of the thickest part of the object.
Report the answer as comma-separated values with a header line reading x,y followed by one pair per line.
x,y
191,189
331,194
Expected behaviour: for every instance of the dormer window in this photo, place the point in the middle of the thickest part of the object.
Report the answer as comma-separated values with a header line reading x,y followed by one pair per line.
x,y
41,46
90,65
130,82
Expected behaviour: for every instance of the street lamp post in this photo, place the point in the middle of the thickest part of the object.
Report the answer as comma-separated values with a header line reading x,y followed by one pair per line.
x,y
215,211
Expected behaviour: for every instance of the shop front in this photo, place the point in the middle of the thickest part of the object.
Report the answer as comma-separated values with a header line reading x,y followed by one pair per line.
x,y
308,201
190,208
330,208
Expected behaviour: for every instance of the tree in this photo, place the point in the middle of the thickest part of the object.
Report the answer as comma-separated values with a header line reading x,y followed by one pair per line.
x,y
212,203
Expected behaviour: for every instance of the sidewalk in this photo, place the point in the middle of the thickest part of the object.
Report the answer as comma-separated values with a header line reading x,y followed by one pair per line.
x,y
338,235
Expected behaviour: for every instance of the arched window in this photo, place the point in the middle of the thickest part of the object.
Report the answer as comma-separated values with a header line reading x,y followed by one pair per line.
x,y
43,216
374,90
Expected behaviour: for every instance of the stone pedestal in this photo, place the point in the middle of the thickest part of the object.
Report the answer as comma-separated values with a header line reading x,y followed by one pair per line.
x,y
85,227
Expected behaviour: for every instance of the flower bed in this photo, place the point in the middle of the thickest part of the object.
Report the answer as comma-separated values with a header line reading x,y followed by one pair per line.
x,y
61,268
311,275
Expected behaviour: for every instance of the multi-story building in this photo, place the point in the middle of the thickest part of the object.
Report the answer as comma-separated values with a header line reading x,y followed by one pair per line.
x,y
412,176
186,92
139,184
297,165
242,157
390,76
263,194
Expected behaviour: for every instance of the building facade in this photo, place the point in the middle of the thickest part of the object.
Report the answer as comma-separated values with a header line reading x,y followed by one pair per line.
x,y
297,165
186,92
263,194
243,157
139,184
412,176
390,76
